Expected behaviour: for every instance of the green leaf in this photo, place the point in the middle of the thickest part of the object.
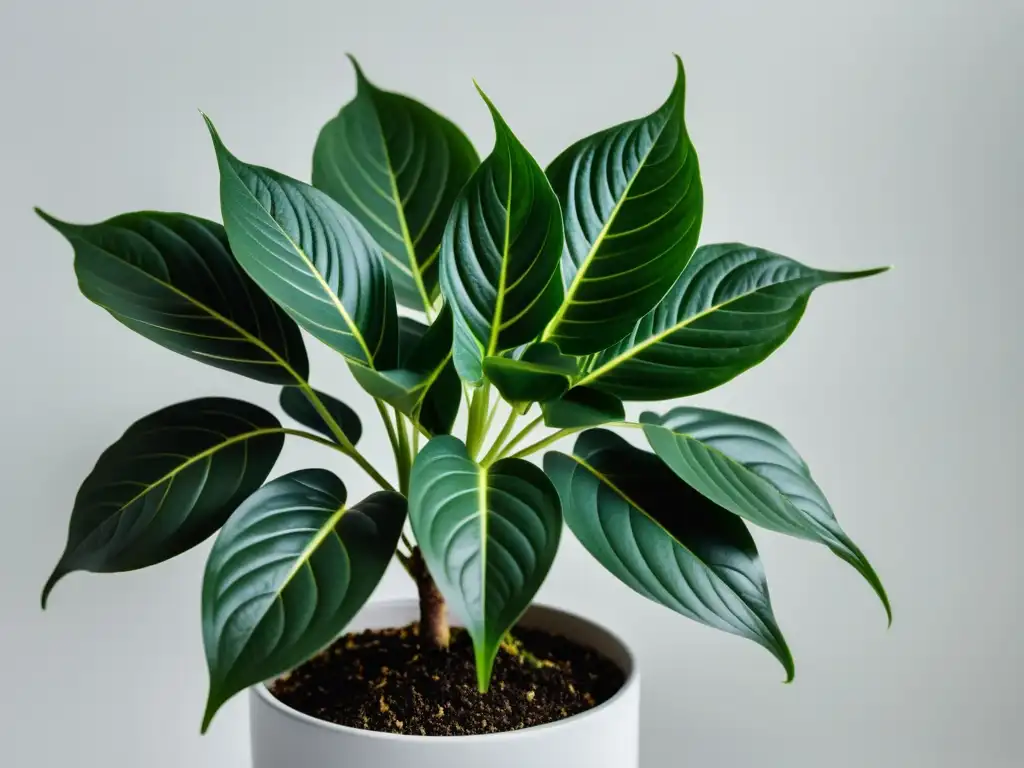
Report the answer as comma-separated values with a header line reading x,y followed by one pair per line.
x,y
663,539
488,535
396,165
288,571
171,278
500,254
583,407
540,373
296,404
750,469
732,307
168,483
311,257
632,200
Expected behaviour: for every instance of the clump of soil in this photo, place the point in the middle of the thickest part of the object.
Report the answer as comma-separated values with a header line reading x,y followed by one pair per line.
x,y
384,680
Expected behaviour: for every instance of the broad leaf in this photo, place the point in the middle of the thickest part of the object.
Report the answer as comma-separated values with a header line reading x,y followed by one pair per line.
x,y
311,257
632,200
296,404
288,571
167,484
500,254
663,539
488,535
396,165
750,469
583,407
538,374
171,278
732,307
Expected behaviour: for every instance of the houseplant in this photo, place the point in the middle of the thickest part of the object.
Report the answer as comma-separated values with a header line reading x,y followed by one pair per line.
x,y
564,292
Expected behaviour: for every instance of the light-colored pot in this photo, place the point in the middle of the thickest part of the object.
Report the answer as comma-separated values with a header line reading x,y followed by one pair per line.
x,y
606,736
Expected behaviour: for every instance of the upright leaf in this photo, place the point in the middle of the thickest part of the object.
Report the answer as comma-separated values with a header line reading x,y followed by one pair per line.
x,y
583,407
663,539
500,254
396,165
297,404
538,374
311,257
488,535
632,200
171,278
289,570
167,484
732,307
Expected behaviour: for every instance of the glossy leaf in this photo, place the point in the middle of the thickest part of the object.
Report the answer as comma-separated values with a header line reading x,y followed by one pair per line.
x,y
396,165
167,484
488,536
583,407
663,539
296,404
311,257
171,278
632,201
287,573
500,254
750,469
538,374
732,307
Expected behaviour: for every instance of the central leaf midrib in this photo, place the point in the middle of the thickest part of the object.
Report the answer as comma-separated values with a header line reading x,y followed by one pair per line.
x,y
499,303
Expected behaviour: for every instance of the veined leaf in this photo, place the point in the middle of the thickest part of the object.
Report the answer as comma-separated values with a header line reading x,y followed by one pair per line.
x,y
288,571
311,257
732,307
171,278
750,469
396,165
632,201
663,539
167,484
296,404
540,373
583,407
500,254
488,535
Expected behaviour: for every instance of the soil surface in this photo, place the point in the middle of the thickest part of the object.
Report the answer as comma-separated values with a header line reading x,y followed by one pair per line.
x,y
383,680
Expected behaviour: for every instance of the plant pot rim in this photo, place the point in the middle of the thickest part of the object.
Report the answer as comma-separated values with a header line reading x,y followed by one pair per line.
x,y
629,669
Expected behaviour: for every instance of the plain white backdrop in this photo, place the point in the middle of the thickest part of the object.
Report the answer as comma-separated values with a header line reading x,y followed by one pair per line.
x,y
843,134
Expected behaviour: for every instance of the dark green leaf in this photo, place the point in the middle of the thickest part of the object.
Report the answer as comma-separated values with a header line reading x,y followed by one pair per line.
x,y
167,484
488,536
538,374
663,539
632,200
288,571
583,407
750,469
396,165
296,404
171,278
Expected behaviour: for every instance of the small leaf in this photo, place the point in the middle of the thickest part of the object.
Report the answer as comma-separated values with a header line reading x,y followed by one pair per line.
x,y
583,407
287,573
167,484
538,374
488,535
663,539
296,404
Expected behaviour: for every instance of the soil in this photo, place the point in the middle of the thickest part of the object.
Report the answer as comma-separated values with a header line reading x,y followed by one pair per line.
x,y
384,680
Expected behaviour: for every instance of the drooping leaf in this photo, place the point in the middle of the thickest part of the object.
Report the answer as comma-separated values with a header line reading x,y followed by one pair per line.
x,y
488,535
296,404
732,307
500,254
171,278
288,571
540,373
583,407
310,256
396,165
167,484
633,202
663,539
750,469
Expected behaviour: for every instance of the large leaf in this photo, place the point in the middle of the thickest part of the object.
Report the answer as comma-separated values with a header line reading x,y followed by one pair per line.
x,y
488,535
732,307
538,374
172,278
750,469
396,165
288,571
583,407
632,200
311,257
500,254
167,484
663,539
297,404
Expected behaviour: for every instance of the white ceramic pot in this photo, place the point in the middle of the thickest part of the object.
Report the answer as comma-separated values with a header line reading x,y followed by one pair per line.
x,y
606,736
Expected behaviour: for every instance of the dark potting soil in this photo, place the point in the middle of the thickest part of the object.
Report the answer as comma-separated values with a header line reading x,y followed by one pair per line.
x,y
384,680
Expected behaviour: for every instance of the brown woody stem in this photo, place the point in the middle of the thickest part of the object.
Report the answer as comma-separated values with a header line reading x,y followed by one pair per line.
x,y
434,628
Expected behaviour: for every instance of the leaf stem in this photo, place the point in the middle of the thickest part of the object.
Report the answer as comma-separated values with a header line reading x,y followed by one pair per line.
x,y
476,428
554,438
496,447
404,454
523,433
392,436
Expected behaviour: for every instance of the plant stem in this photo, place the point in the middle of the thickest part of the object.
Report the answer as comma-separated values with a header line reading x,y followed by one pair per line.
x,y
523,433
475,429
392,436
546,442
495,451
434,629
403,456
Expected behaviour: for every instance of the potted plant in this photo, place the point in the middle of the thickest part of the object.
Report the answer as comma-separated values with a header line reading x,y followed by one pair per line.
x,y
550,298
